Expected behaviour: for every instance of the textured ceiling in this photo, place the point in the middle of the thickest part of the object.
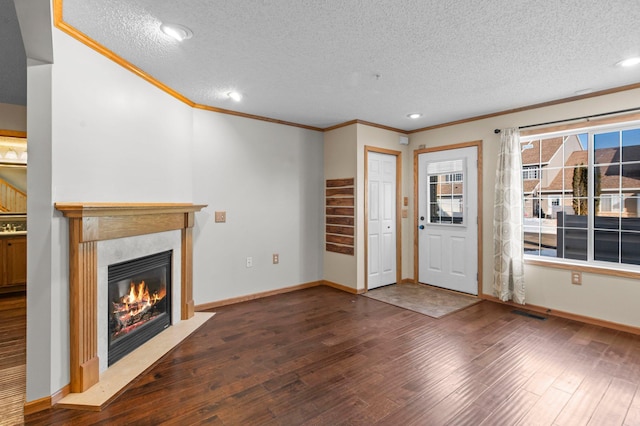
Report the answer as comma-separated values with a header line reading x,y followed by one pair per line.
x,y
322,63
13,61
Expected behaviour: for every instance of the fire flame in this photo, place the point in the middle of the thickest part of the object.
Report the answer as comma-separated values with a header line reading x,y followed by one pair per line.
x,y
132,307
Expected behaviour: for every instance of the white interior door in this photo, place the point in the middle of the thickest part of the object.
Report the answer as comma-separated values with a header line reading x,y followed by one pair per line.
x,y
381,181
448,219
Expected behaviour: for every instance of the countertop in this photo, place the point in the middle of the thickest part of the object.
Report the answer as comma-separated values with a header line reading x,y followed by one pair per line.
x,y
12,233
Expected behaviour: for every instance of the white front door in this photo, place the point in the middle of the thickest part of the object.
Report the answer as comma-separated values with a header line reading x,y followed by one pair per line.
x,y
381,181
448,219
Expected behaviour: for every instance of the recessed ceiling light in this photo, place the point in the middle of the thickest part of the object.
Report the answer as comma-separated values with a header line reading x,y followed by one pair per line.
x,y
236,96
629,62
176,31
414,115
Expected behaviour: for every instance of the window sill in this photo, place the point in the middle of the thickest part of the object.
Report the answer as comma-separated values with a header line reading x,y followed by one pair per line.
x,y
602,270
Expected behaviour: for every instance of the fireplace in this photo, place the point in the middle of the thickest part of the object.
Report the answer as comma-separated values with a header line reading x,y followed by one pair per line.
x,y
93,223
139,304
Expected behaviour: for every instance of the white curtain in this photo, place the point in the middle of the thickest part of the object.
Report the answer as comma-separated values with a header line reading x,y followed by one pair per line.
x,y
508,267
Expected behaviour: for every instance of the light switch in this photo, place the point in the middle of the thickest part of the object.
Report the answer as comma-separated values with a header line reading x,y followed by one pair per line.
x,y
406,201
221,217
405,213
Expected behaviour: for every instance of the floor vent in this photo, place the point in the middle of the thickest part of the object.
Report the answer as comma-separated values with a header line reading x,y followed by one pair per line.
x,y
527,314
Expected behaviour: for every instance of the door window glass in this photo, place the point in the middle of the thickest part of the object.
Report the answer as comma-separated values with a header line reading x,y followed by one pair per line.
x,y
446,192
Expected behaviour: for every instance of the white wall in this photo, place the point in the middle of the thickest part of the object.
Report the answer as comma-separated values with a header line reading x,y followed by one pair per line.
x,y
269,180
39,242
112,137
600,296
116,137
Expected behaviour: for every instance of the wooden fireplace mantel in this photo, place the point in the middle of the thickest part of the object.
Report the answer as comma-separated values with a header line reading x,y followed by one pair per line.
x,y
93,222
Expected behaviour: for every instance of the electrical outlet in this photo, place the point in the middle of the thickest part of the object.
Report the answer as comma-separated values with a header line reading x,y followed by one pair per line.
x,y
276,258
221,217
249,262
576,277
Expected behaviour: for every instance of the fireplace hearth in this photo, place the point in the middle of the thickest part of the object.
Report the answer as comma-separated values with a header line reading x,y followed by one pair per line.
x,y
139,304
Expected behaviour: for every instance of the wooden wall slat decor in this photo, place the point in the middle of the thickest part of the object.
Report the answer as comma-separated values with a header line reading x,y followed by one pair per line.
x,y
339,191
340,249
340,201
340,216
337,220
340,230
335,183
340,211
340,239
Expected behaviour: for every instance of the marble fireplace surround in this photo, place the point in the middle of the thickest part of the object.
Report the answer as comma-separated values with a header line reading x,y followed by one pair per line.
x,y
90,223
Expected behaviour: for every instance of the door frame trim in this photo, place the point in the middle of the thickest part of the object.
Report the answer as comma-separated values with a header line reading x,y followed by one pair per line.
x,y
398,155
416,153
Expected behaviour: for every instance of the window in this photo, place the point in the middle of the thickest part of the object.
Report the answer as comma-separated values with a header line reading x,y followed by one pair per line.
x,y
584,204
446,192
453,177
609,204
530,172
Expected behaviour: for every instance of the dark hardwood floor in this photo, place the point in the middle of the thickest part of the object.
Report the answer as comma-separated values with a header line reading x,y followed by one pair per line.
x,y
13,328
324,357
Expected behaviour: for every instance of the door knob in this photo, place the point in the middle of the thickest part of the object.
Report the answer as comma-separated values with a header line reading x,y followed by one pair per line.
x,y
421,227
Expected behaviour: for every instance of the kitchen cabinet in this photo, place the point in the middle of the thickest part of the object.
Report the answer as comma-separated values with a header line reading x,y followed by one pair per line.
x,y
13,264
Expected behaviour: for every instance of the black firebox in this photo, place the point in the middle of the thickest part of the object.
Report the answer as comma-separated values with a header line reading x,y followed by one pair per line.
x,y
139,302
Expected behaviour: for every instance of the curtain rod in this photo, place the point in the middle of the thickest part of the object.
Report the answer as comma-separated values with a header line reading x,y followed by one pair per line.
x,y
586,117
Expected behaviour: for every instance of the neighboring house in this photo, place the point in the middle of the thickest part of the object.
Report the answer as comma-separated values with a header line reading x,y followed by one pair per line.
x,y
547,183
446,198
618,192
542,162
